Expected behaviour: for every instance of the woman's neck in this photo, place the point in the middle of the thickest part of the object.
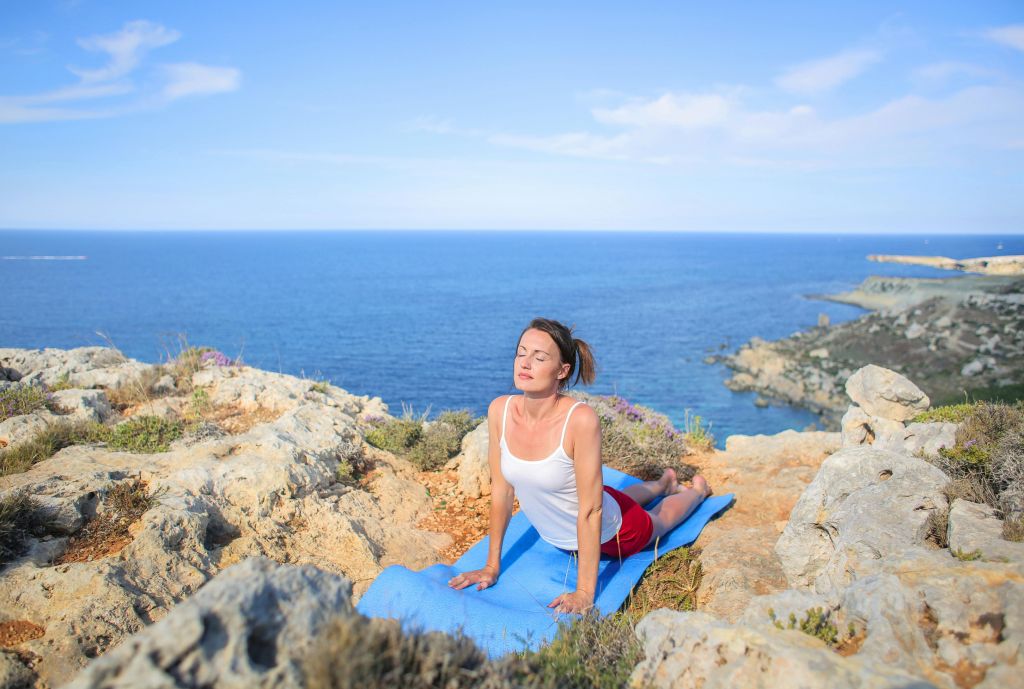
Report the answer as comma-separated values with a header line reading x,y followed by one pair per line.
x,y
538,408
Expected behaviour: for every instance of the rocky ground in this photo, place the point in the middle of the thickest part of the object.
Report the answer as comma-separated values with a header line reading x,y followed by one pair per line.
x,y
949,335
253,542
261,482
987,265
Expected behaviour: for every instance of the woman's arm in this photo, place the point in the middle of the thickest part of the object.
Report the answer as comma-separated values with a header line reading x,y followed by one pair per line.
x,y
502,496
586,428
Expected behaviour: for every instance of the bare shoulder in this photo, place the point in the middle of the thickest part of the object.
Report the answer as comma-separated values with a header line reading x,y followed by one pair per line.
x,y
497,407
584,419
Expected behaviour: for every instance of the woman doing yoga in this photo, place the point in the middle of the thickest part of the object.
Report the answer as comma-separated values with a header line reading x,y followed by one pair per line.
x,y
562,493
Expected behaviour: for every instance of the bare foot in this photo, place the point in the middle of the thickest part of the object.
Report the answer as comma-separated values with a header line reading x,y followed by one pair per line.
x,y
700,485
668,483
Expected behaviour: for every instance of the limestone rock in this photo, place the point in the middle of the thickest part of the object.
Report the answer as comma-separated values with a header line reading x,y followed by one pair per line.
x,y
474,468
791,601
246,628
864,505
929,438
84,405
885,393
13,673
974,530
856,427
692,650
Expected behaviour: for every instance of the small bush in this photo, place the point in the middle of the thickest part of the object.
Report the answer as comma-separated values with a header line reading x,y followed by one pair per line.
x,y
63,383
950,413
144,434
395,435
140,390
590,652
199,405
48,442
320,386
19,399
107,532
19,519
967,556
353,464
638,440
670,582
357,653
816,623
695,433
1013,529
986,462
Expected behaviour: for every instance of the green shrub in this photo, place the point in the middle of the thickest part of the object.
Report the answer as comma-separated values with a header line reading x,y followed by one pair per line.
x,y
320,386
63,383
430,447
395,435
950,413
967,556
144,434
25,398
696,434
199,405
816,623
51,440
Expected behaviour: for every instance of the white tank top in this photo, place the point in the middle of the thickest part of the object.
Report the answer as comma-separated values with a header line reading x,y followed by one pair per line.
x,y
546,489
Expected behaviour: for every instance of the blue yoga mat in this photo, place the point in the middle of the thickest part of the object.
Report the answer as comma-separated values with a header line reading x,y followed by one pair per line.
x,y
513,615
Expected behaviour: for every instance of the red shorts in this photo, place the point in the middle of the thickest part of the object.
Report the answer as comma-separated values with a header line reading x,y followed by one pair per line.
x,y
635,531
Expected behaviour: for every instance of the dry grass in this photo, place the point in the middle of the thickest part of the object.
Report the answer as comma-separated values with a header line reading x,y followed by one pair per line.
x,y
670,582
55,437
20,518
107,533
361,653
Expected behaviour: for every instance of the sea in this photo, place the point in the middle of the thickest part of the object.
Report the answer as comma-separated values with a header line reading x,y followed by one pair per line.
x,y
430,320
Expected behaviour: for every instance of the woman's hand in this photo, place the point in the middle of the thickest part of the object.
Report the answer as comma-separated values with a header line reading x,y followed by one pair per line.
x,y
481,577
578,601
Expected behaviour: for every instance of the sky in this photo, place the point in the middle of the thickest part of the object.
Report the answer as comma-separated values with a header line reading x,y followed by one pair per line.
x,y
878,117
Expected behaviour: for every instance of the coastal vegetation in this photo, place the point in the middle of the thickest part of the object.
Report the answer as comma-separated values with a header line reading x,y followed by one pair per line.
x,y
19,519
428,445
986,462
21,399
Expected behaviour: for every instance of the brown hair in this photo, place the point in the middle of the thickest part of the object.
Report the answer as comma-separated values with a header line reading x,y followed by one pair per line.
x,y
569,349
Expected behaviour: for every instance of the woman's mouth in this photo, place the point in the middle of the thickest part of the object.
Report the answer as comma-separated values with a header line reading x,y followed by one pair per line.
x,y
523,375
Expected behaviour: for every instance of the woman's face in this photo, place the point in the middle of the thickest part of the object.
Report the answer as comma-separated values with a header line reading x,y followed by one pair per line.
x,y
538,366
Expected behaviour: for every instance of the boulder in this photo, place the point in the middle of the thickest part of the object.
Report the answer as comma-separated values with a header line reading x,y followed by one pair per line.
x,y
975,531
856,427
248,627
474,468
864,505
84,405
885,393
692,650
929,438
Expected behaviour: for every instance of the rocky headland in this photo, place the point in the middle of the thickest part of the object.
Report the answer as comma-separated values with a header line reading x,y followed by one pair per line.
x,y
951,336
986,265
233,549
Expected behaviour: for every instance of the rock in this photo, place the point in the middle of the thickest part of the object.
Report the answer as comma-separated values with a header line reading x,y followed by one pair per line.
x,y
248,627
269,487
973,367
23,427
889,434
929,438
791,601
84,405
864,505
692,650
737,567
975,530
914,331
783,447
760,402
474,468
885,393
819,353
13,673
856,427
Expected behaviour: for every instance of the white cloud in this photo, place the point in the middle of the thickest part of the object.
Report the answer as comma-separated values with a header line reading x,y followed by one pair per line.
x,y
125,48
670,110
191,78
941,71
1012,35
826,74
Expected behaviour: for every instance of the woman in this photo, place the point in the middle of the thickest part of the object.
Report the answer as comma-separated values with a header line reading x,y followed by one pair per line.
x,y
561,492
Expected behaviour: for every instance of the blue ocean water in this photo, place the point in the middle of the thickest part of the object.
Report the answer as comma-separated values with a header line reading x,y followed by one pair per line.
x,y
432,319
